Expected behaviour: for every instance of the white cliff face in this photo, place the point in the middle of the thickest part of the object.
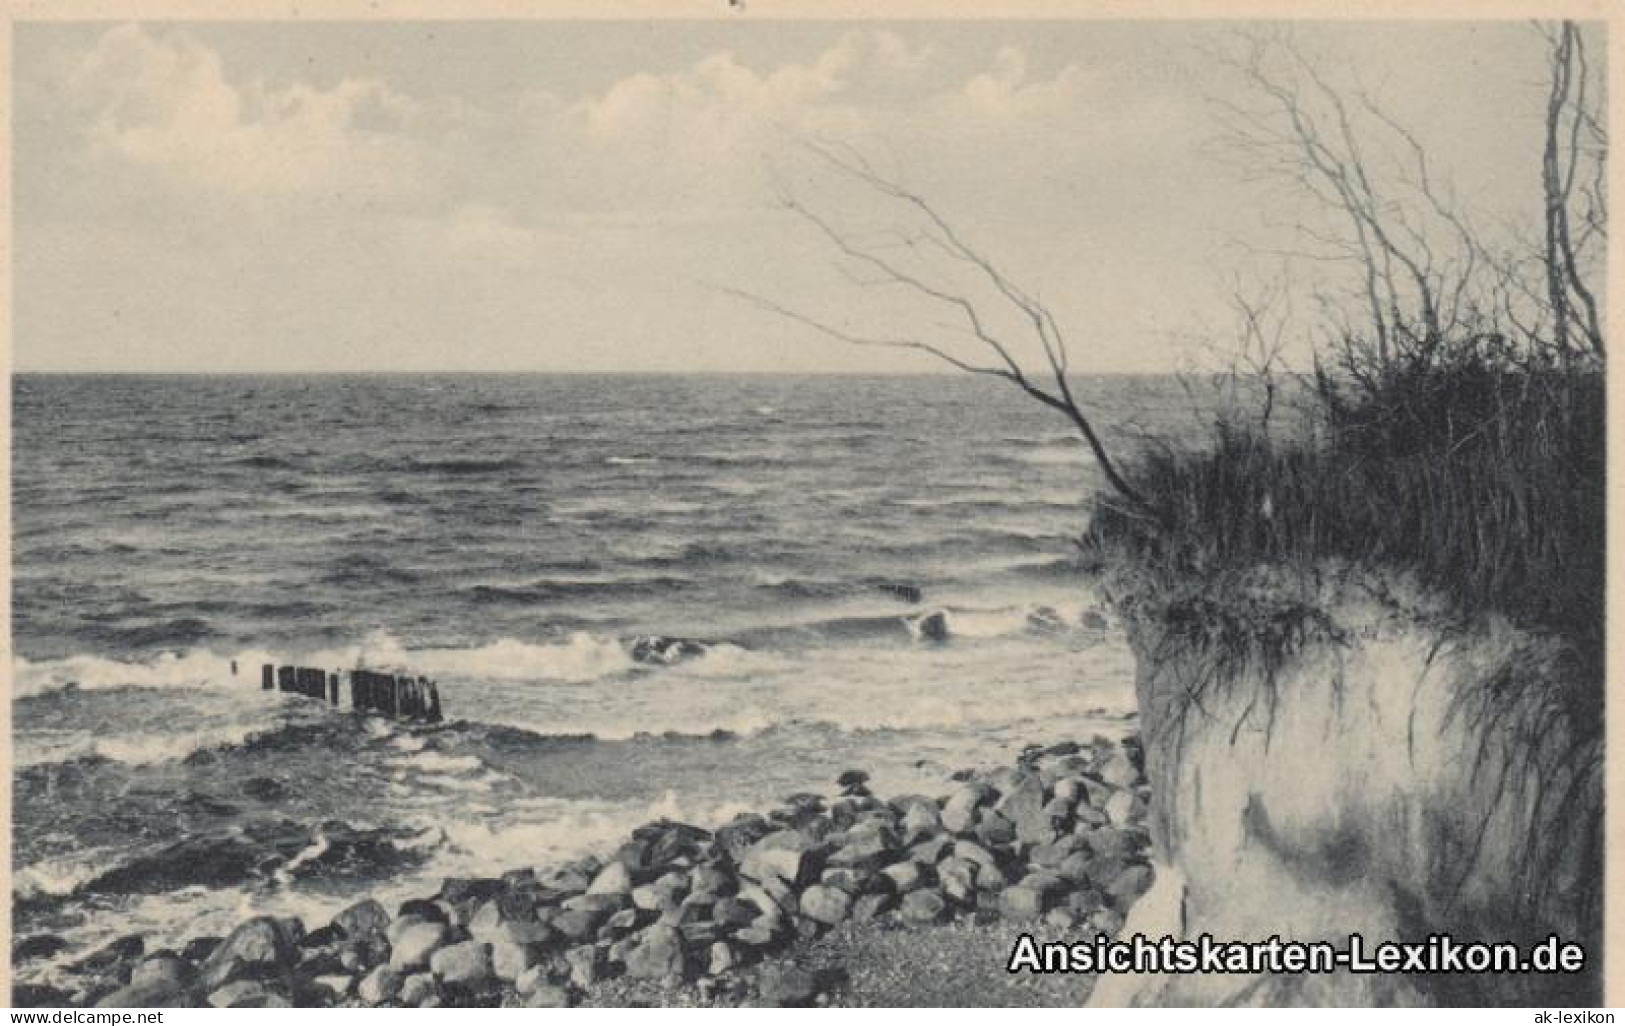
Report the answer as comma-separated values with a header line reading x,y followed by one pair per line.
x,y
1388,777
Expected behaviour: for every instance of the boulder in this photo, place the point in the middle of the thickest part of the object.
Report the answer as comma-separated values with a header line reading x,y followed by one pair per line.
x,y
866,848
337,984
466,964
460,891
1032,897
511,957
1023,800
786,986
1074,867
959,811
1132,882
904,876
417,908
985,862
578,924
852,881
1122,809
699,934
722,958
322,937
933,626
603,904
419,991
708,880
612,879
920,822
994,830
160,993
414,944
586,964
664,893
766,864
198,949
381,985
735,911
931,850
737,837
547,995
791,838
530,979
570,879
923,907
515,879
764,899
163,968
247,994
259,947
1118,770
958,879
827,905
1056,852
657,955
871,905
1085,901
1061,918
1113,842
1105,920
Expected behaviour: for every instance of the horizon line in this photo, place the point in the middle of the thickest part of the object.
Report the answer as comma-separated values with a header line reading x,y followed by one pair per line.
x,y
556,373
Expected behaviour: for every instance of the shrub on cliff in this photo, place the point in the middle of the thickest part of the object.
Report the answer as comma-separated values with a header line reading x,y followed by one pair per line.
x,y
1479,471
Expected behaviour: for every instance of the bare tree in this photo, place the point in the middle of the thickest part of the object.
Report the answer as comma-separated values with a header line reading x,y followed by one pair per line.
x,y
1424,269
1574,137
910,257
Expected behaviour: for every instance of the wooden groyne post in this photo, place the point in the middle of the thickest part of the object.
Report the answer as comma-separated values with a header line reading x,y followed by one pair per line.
x,y
404,696
391,695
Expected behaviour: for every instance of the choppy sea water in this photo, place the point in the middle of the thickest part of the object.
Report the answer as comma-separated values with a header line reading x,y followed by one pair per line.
x,y
512,536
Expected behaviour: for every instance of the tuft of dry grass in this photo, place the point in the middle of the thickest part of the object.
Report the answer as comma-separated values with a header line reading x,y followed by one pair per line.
x,y
1482,476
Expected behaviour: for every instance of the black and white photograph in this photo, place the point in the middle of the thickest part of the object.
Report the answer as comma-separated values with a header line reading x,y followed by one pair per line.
x,y
737,506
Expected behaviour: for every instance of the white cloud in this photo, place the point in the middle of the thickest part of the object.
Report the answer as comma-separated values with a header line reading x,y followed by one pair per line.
x,y
165,101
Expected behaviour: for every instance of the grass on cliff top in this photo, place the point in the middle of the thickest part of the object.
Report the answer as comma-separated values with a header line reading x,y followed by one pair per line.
x,y
1478,471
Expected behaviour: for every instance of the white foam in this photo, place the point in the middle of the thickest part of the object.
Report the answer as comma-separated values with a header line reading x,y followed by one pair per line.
x,y
582,657
55,878
193,669
437,762
131,749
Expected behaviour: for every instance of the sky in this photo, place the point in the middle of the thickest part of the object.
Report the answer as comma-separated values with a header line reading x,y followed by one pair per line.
x,y
596,196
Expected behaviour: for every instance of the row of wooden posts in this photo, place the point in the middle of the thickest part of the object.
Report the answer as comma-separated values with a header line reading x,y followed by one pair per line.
x,y
392,695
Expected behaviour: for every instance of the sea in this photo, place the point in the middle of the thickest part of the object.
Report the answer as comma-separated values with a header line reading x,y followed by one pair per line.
x,y
513,537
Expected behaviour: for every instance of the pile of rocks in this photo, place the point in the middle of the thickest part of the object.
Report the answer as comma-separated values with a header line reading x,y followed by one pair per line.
x,y
1057,838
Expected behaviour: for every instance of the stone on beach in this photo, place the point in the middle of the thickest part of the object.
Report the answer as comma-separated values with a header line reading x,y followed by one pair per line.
x,y
363,919
1046,840
923,907
959,811
903,876
258,946
786,986
247,994
414,943
612,879
828,905
658,954
467,963
380,985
